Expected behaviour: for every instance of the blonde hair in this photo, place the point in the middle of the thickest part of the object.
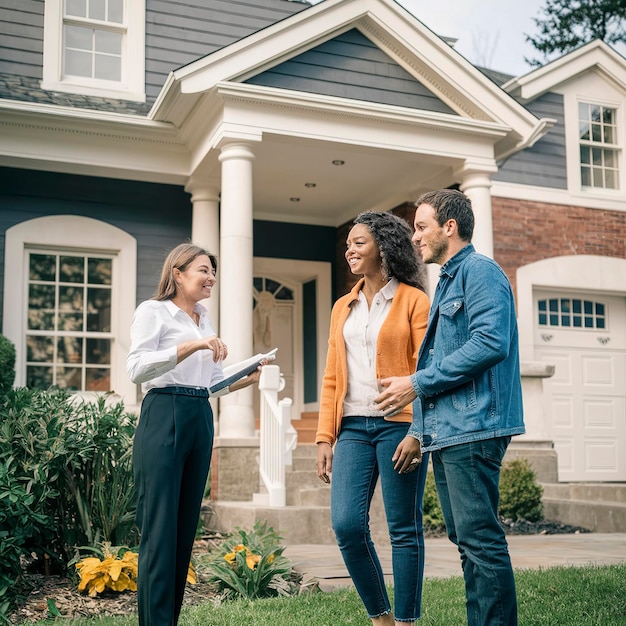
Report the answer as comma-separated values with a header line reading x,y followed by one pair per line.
x,y
179,258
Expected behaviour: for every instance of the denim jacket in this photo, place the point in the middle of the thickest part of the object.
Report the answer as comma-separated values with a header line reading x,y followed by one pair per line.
x,y
468,377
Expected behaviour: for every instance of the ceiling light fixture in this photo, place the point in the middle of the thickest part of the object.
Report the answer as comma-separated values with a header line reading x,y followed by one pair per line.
x,y
310,185
294,199
338,162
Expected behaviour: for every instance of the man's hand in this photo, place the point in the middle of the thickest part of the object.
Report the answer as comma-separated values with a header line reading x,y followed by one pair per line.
x,y
398,392
408,455
324,461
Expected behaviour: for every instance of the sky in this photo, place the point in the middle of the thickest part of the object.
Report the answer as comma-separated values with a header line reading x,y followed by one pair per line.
x,y
489,33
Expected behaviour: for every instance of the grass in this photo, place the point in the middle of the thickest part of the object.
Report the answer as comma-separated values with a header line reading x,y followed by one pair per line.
x,y
557,596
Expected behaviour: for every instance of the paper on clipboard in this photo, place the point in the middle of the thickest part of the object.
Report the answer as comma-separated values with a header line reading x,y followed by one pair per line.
x,y
236,371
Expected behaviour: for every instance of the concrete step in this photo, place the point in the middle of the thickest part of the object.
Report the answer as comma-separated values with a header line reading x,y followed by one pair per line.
x,y
599,507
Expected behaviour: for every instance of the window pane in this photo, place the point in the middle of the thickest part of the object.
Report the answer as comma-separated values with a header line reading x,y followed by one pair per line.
x,y
596,154
596,133
99,310
108,42
610,180
78,63
78,38
554,320
70,308
72,269
99,271
600,323
608,116
78,8
543,319
70,350
97,9
69,378
39,349
595,113
577,306
588,307
609,134
42,267
584,131
98,351
554,305
542,305
598,180
578,321
41,307
38,377
107,68
116,11
583,110
97,379
565,320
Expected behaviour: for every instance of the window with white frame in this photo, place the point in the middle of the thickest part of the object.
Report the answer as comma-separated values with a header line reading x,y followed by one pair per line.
x,y
67,309
68,320
599,150
95,47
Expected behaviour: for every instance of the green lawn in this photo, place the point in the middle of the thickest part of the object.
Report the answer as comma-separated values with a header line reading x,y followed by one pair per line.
x,y
558,596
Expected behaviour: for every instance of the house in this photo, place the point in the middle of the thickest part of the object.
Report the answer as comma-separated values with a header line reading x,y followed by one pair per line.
x,y
260,130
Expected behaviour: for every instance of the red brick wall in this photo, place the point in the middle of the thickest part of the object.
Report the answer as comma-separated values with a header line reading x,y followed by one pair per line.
x,y
525,232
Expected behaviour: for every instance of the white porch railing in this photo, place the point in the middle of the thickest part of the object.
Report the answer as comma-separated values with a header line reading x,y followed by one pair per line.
x,y
278,438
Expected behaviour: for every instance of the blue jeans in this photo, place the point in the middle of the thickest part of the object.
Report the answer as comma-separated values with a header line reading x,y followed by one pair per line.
x,y
467,478
362,453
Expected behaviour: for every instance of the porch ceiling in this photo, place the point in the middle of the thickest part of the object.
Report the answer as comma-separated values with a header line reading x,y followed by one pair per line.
x,y
326,183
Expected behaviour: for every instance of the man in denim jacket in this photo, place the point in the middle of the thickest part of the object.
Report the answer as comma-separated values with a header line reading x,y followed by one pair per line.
x,y
467,398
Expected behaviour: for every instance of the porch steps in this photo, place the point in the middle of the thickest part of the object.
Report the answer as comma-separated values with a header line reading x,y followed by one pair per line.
x,y
305,519
600,507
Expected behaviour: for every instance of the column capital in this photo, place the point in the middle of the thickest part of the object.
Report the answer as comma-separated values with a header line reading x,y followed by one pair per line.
x,y
476,170
233,149
203,189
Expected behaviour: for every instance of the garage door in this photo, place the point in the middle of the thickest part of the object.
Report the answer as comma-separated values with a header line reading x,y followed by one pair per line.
x,y
584,336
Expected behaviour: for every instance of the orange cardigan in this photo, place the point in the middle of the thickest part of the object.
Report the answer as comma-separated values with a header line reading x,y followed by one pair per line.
x,y
397,346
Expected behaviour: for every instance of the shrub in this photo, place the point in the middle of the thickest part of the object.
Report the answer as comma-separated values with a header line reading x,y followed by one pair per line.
x,y
250,564
520,494
7,365
65,479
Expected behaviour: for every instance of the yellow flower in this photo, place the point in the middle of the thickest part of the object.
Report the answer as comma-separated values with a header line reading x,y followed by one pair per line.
x,y
252,560
270,559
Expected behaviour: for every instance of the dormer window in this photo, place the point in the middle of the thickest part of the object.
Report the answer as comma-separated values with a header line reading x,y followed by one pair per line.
x,y
599,150
93,34
95,47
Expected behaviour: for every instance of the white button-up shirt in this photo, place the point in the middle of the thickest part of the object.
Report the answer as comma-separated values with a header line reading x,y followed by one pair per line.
x,y
157,328
360,334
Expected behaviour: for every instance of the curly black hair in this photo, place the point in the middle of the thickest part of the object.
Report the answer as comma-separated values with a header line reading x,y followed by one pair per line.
x,y
393,238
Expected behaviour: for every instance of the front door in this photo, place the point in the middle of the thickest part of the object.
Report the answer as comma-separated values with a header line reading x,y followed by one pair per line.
x,y
584,336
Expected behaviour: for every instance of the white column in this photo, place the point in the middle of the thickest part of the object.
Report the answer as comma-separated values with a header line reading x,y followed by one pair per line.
x,y
205,233
235,277
476,185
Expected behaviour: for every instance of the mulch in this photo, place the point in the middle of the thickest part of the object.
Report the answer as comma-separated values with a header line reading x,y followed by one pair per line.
x,y
64,595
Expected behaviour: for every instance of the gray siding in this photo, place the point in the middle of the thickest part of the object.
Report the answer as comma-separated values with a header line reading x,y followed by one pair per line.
x,y
158,216
21,37
179,32
351,66
543,165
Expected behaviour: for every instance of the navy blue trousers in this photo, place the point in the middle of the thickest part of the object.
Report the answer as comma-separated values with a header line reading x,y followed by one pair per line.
x,y
171,458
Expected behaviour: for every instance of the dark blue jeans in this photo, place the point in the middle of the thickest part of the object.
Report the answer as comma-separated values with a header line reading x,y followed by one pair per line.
x,y
467,478
363,454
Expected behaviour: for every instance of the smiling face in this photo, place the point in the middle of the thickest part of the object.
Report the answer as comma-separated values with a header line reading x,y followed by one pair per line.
x,y
362,253
429,237
195,282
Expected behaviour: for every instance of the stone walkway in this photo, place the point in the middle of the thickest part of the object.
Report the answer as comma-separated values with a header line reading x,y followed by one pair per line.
x,y
324,562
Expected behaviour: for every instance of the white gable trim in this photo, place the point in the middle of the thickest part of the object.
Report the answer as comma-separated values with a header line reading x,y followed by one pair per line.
x,y
595,55
404,38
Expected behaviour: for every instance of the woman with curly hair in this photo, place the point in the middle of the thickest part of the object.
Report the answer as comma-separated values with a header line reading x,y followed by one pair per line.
x,y
375,332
